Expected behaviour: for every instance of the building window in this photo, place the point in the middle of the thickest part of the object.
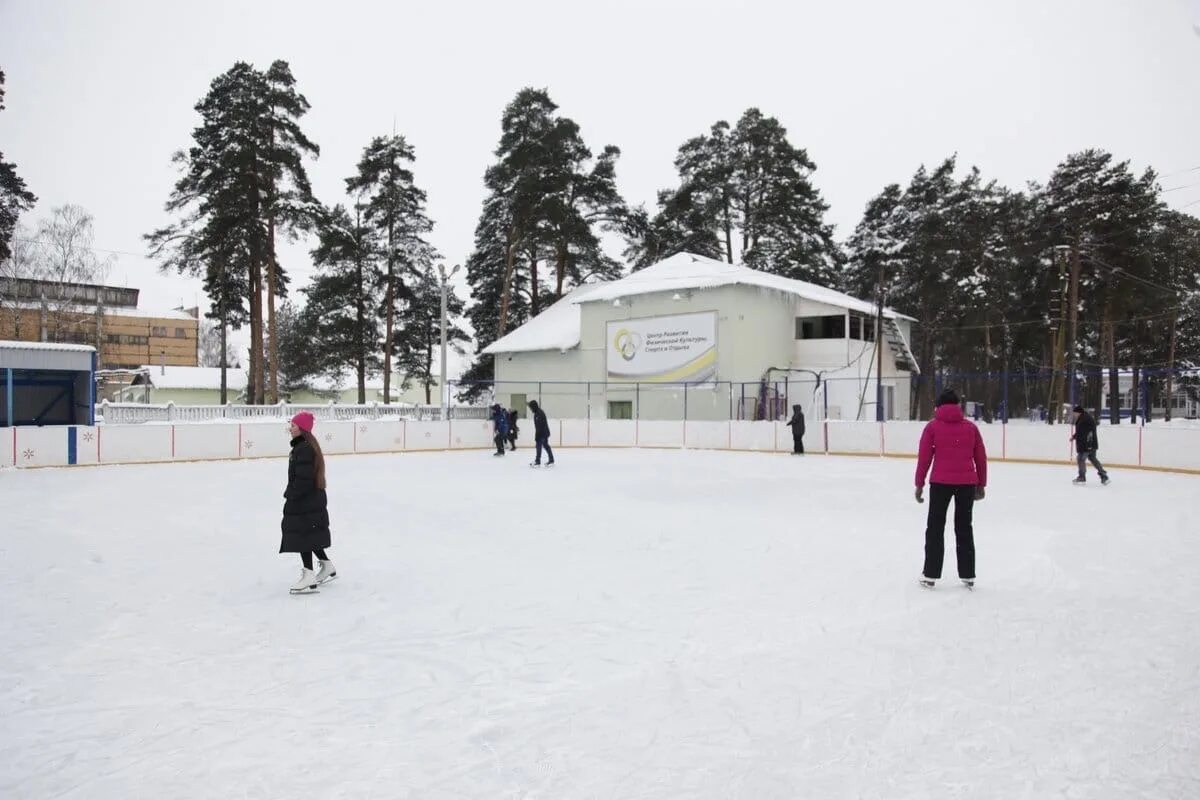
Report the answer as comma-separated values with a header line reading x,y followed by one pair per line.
x,y
830,327
180,333
620,409
158,331
862,328
518,403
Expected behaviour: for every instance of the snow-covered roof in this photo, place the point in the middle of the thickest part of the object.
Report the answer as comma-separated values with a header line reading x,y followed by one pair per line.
x,y
109,311
685,271
49,346
558,327
195,377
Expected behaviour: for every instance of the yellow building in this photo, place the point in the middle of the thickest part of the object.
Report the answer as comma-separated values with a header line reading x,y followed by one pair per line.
x,y
105,317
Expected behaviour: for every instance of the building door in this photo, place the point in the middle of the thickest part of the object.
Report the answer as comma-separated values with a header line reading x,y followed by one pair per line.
x,y
518,402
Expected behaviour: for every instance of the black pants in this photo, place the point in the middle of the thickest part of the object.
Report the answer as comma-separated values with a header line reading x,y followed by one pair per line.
x,y
543,442
1089,455
798,444
499,440
940,495
307,558
512,441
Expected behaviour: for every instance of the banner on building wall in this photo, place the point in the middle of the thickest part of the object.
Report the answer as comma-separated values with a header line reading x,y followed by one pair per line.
x,y
672,349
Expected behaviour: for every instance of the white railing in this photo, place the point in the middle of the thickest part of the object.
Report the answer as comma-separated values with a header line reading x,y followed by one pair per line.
x,y
137,413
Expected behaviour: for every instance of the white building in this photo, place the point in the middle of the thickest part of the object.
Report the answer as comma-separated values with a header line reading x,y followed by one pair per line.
x,y
706,339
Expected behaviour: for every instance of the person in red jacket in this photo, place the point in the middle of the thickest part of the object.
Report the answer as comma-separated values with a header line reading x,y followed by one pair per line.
x,y
954,447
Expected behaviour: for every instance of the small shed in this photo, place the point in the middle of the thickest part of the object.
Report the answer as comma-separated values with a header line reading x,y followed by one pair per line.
x,y
47,384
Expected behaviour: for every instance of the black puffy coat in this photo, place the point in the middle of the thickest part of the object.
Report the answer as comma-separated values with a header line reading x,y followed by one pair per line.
x,y
541,428
797,423
306,508
1086,439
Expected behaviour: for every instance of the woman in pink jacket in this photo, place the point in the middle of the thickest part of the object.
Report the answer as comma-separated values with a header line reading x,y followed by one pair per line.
x,y
953,445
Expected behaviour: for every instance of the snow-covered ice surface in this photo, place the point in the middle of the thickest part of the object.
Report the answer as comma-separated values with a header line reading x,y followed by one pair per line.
x,y
631,624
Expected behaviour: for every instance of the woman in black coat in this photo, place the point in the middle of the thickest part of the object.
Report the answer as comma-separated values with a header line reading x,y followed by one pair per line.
x,y
305,509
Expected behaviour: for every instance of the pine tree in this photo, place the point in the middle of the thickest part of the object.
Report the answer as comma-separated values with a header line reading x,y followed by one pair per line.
x,y
548,198
749,180
485,275
242,178
396,207
419,336
14,196
298,362
289,204
342,296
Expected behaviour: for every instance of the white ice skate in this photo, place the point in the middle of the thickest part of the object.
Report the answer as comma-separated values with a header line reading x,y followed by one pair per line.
x,y
327,572
925,582
969,583
307,584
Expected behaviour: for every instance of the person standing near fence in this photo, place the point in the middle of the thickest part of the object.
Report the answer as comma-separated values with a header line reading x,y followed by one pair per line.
x,y
1086,444
500,427
797,425
541,435
953,446
305,523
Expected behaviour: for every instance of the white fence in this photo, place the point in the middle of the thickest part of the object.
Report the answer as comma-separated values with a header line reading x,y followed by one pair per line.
x,y
1151,446
138,413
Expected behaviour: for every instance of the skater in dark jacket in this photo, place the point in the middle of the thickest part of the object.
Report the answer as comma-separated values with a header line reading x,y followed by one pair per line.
x,y
797,425
954,447
500,428
513,430
305,523
1086,444
541,434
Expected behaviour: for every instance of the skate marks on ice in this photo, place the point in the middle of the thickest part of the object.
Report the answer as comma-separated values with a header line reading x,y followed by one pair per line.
x,y
624,636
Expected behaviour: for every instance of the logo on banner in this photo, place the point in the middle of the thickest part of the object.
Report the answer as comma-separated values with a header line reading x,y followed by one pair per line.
x,y
627,343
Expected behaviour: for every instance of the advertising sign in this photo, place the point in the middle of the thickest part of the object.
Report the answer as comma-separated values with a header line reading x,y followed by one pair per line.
x,y
674,349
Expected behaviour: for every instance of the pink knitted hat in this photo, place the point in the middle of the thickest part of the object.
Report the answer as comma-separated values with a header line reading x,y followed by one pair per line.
x,y
304,421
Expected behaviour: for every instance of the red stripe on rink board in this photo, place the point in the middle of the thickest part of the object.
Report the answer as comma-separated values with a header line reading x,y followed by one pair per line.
x,y
356,437
882,446
1140,429
1004,440
98,459
172,441
239,440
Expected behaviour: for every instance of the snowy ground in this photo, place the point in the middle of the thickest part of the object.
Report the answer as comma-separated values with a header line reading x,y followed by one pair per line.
x,y
633,624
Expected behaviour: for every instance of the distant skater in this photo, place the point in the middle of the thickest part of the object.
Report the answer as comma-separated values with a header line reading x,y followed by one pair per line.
x,y
797,425
306,508
513,430
954,447
499,428
541,435
1087,442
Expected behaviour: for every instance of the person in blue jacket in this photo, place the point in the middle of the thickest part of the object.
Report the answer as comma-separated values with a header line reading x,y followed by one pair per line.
x,y
500,428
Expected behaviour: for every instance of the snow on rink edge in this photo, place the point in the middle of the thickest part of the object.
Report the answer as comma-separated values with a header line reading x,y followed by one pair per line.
x,y
640,624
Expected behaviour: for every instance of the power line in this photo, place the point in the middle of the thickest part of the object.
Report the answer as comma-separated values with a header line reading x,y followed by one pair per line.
x,y
89,247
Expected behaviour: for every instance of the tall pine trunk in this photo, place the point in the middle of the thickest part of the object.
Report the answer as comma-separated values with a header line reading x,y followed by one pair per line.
x,y
1114,379
533,285
389,314
272,328
1170,401
254,381
224,361
510,265
560,266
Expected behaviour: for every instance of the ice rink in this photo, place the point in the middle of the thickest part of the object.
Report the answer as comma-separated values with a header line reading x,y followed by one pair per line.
x,y
630,624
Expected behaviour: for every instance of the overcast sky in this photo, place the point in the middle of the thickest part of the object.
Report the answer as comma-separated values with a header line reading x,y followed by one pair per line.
x,y
100,94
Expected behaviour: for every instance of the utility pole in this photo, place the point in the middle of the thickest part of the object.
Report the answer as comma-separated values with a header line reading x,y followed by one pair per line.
x,y
445,293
